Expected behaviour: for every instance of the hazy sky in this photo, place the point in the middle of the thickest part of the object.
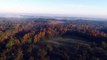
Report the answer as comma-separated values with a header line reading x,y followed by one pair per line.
x,y
64,7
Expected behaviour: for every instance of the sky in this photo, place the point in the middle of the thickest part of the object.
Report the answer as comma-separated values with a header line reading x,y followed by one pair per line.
x,y
62,7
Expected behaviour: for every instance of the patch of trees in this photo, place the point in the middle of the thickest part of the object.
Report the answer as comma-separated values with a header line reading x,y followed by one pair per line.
x,y
29,41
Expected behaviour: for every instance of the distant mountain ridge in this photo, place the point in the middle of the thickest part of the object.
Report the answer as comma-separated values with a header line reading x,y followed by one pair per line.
x,y
50,16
